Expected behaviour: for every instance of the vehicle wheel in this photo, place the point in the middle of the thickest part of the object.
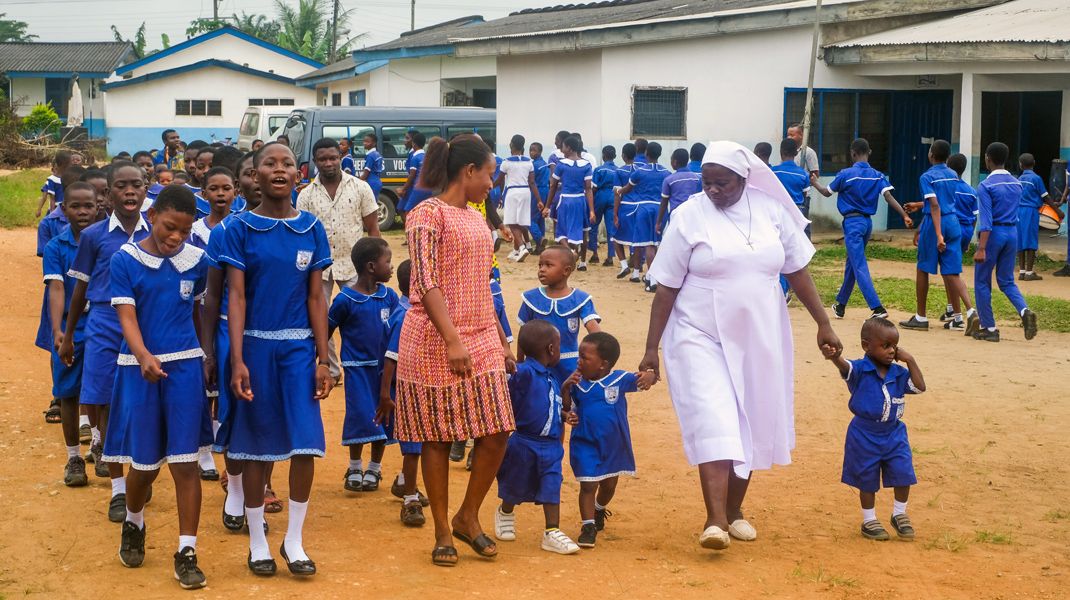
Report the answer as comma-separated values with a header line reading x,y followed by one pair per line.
x,y
387,212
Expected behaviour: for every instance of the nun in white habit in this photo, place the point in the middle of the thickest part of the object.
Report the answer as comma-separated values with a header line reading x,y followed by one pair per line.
x,y
727,337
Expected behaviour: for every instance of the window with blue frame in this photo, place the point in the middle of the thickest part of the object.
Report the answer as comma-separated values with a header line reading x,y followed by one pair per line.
x,y
358,98
840,116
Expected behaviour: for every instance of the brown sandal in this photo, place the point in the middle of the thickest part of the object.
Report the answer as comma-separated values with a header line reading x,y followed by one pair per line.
x,y
272,504
444,556
52,415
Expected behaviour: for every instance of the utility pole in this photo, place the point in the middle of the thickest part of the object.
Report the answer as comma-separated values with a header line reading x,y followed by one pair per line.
x,y
810,84
334,32
412,15
215,10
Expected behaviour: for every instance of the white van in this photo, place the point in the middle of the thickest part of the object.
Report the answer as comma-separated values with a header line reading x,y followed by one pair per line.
x,y
261,123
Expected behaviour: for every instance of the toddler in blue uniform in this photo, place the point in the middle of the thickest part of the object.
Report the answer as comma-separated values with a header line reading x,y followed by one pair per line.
x,y
1034,196
52,189
572,178
600,449
566,308
637,218
103,335
159,409
877,449
361,312
80,207
531,468
858,189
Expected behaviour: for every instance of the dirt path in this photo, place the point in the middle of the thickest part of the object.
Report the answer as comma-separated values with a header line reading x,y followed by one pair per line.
x,y
991,453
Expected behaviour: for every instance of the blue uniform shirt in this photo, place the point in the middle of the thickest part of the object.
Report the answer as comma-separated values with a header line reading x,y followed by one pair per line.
x,y
396,320
939,182
201,233
49,227
647,179
965,202
567,314
604,179
98,242
363,321
859,188
373,164
795,180
348,165
998,198
1033,190
873,398
624,174
680,186
695,166
53,187
58,258
278,256
573,174
536,400
542,177
163,292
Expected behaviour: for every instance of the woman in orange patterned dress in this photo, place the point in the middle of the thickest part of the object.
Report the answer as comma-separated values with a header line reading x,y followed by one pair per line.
x,y
453,359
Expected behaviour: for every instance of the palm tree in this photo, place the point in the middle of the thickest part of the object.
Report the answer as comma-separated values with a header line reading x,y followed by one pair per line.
x,y
138,42
307,29
14,31
257,25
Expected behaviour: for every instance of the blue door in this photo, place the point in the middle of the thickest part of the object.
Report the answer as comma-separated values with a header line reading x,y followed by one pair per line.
x,y
917,118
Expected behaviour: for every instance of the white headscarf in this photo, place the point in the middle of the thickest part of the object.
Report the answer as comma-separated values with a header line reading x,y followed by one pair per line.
x,y
747,165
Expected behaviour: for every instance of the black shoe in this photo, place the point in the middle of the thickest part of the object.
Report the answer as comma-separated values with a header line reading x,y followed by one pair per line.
x,y
85,434
132,547
1031,276
973,324
74,473
457,451
902,526
368,485
986,336
412,514
839,310
947,316
600,515
650,287
914,323
1029,322
1063,272
623,271
99,468
261,568
608,262
873,530
117,508
231,522
582,266
353,480
1021,276
955,325
186,572
588,535
300,568
396,489
879,313
209,475
594,259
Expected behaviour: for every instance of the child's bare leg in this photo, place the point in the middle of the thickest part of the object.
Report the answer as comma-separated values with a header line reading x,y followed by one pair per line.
x,y
68,414
355,451
302,470
902,494
606,489
519,236
137,489
188,496
651,252
1030,260
868,499
409,464
588,491
378,449
115,470
552,512
1021,260
486,459
921,291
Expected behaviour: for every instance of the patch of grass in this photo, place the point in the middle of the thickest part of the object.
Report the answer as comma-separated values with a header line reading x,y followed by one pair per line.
x,y
1057,514
819,575
926,451
948,541
992,537
831,253
20,192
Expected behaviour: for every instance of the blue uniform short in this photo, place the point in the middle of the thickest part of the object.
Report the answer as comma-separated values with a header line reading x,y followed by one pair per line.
x,y
67,381
1028,228
967,235
637,224
930,259
103,335
877,451
362,398
531,470
156,423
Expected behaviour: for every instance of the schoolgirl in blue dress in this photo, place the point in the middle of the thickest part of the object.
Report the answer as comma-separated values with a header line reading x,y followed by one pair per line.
x,y
638,217
624,174
103,335
566,308
277,316
159,410
373,164
600,449
572,178
361,312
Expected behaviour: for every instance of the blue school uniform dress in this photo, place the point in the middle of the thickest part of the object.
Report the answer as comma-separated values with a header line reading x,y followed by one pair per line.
x,y
603,181
1033,194
939,182
224,399
572,176
639,214
858,188
58,258
53,186
499,309
203,207
393,346
877,449
542,183
531,468
496,195
966,212
601,443
999,196
363,321
568,315
348,165
414,165
277,256
50,227
103,335
201,233
167,421
151,194
373,164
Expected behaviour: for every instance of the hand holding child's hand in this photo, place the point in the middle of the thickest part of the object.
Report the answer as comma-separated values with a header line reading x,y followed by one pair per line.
x,y
570,417
645,379
210,371
66,352
911,207
908,222
830,352
57,340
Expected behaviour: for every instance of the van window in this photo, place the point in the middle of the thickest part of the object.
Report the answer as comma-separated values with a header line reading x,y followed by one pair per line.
x,y
274,123
355,133
250,124
487,131
393,138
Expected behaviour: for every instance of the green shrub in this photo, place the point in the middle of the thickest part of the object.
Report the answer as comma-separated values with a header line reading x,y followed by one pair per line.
x,y
41,121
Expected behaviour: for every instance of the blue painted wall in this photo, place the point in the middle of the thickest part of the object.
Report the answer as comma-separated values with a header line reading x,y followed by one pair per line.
x,y
133,139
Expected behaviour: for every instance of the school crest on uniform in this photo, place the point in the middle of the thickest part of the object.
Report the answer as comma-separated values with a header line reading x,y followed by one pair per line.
x,y
574,324
612,393
304,258
185,288
384,314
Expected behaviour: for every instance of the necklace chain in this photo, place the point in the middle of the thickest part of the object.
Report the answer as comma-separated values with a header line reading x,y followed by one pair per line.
x,y
746,236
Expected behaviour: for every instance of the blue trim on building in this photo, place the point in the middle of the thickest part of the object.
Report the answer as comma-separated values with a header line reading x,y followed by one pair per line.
x,y
133,139
212,35
364,56
211,62
97,128
369,66
1064,153
56,74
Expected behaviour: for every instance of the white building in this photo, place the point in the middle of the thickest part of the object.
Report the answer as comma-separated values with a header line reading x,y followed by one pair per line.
x,y
201,88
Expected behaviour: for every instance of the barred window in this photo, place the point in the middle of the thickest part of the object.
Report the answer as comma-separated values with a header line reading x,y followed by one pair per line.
x,y
659,112
271,101
199,108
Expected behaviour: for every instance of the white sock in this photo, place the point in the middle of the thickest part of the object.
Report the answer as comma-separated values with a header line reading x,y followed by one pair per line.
x,y
95,433
635,272
651,279
869,514
1021,271
949,308
412,498
137,518
205,460
355,464
990,328
294,551
401,478
73,452
957,317
118,486
899,508
258,545
215,427
83,420
623,267
235,502
187,541
598,506
971,312
1022,312
921,319
374,466
587,521
1030,273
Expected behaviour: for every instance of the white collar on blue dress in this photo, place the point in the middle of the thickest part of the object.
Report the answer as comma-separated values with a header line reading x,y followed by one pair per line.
x,y
183,260
114,223
607,381
298,224
538,301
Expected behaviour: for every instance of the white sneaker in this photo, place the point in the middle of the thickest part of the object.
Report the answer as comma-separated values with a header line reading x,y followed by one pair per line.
x,y
714,538
522,254
742,530
555,540
505,525
512,255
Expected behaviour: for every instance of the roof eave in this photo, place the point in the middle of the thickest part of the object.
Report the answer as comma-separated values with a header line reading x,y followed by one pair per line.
x,y
948,52
228,30
49,74
364,56
204,64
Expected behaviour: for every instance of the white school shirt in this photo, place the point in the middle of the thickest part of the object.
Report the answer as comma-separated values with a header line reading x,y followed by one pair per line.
x,y
516,170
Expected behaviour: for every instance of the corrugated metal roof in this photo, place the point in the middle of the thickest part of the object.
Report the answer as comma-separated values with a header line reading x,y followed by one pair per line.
x,y
433,35
1026,21
346,65
68,57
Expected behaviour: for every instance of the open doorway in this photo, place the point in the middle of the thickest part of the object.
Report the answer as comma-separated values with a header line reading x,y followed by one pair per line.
x,y
1026,122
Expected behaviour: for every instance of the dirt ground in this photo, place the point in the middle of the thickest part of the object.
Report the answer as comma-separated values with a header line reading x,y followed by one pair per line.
x,y
992,507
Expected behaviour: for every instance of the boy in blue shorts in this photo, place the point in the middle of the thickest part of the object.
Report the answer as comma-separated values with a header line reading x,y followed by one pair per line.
x,y
160,411
52,190
1034,196
999,197
531,468
966,212
877,446
859,187
542,183
603,182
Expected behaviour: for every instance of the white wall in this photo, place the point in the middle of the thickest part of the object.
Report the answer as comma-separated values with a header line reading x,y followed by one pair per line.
x,y
417,81
30,91
232,48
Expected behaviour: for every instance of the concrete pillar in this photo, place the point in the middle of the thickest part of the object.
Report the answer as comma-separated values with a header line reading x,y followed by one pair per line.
x,y
970,128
